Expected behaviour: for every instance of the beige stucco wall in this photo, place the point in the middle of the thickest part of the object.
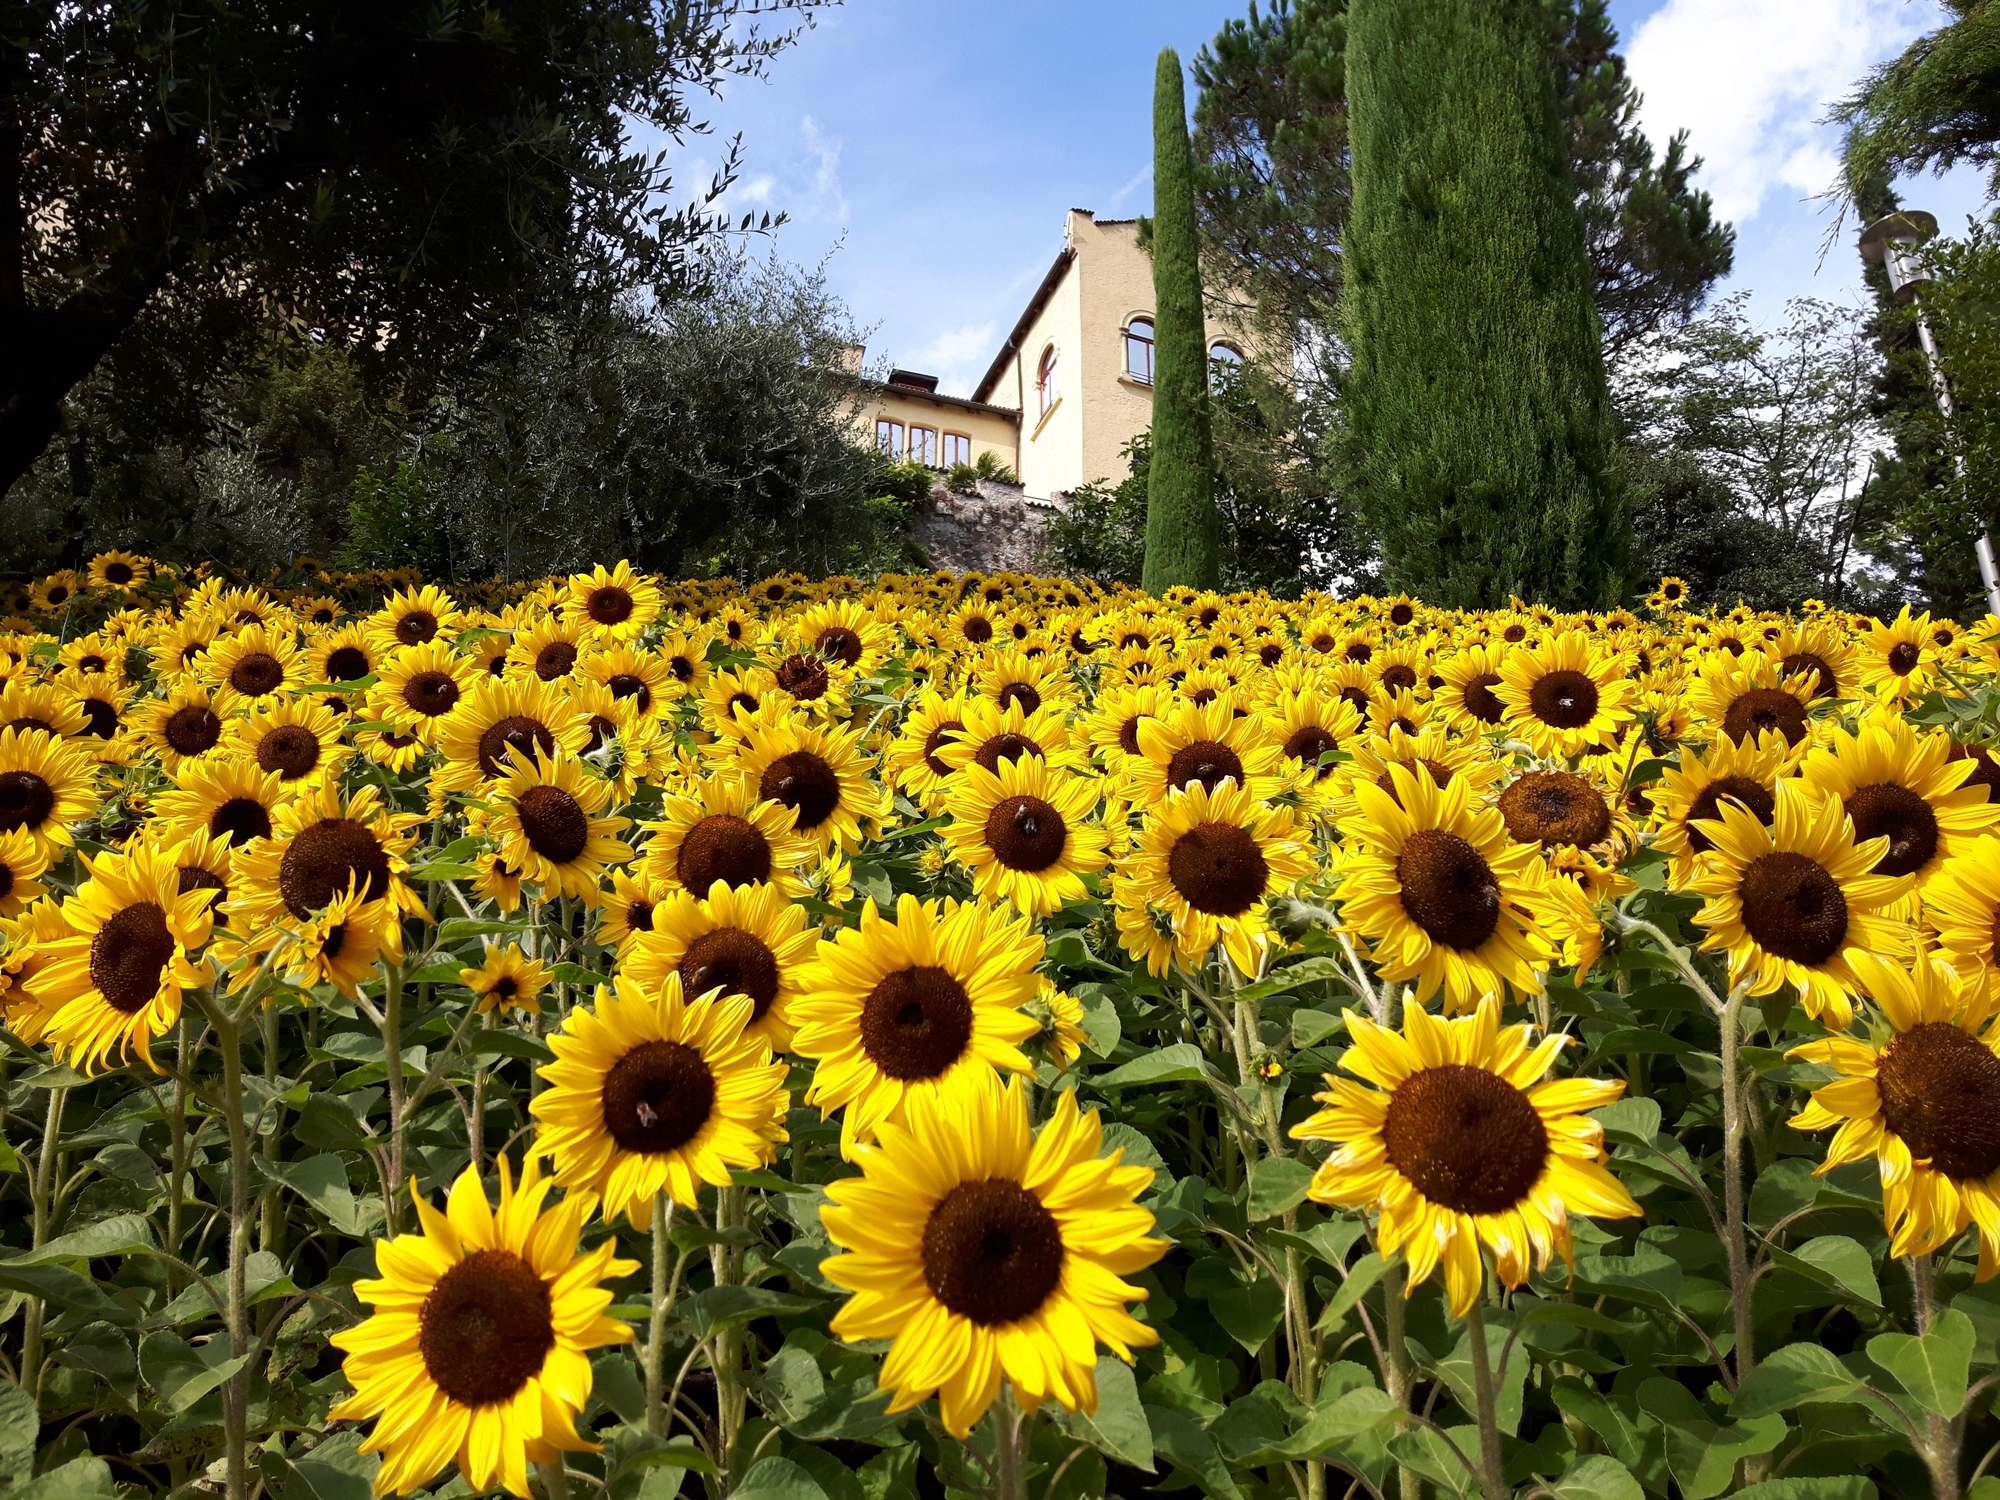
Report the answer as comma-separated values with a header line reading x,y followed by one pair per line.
x,y
989,431
1052,443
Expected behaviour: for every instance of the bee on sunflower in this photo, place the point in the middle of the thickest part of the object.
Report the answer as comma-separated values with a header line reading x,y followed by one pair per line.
x,y
906,1006
476,1351
618,603
411,617
987,1252
819,772
1463,1144
747,940
1565,695
1749,696
1024,832
1899,659
724,829
255,664
654,1092
421,687
1202,744
295,739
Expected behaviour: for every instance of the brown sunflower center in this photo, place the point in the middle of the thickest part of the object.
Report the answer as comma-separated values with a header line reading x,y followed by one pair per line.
x,y
1208,761
1399,677
195,878
346,663
26,800
518,736
118,573
1555,807
1903,658
936,740
629,685
1466,1138
128,956
321,859
1021,693
25,725
100,718
804,677
1793,907
416,627
1359,651
486,1327
193,730
1009,747
240,820
840,644
639,916
1270,653
609,605
722,847
916,1023
1307,744
1482,702
1025,833
1563,699
1219,869
1440,775
978,630
1763,710
555,660
805,783
740,962
1985,769
1903,817
554,823
1448,889
1401,614
256,674
1820,681
1756,798
291,750
657,1097
431,693
1941,1093
992,1252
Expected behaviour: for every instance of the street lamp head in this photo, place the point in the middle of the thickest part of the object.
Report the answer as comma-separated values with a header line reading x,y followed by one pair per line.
x,y
1889,241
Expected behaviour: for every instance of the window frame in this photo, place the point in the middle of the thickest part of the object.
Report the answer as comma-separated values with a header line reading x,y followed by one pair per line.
x,y
890,438
929,456
950,442
1046,393
1148,342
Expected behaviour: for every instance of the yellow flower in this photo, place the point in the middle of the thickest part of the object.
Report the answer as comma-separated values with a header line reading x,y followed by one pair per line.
x,y
1962,903
476,1353
1898,782
507,979
1744,771
181,726
1202,744
549,822
1024,834
747,940
1565,695
22,858
503,723
421,687
817,772
727,831
1899,659
295,739
1464,1143
617,603
46,784
411,617
251,666
987,1252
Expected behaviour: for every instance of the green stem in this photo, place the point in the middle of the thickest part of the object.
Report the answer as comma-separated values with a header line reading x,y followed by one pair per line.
x,y
554,1479
1396,1377
656,1326
179,1152
730,1398
392,1056
1492,1473
236,1391
1735,1239
1010,1474
1941,1437
43,1187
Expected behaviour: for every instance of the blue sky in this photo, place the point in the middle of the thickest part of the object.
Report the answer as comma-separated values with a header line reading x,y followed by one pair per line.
x,y
928,148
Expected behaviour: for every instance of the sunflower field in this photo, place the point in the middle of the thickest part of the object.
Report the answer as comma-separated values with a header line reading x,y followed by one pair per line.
x,y
990,1036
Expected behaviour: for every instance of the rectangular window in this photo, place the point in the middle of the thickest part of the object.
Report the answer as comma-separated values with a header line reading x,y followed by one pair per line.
x,y
957,449
889,437
923,446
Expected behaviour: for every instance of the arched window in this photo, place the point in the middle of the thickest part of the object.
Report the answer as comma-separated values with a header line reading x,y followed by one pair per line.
x,y
1139,349
1045,380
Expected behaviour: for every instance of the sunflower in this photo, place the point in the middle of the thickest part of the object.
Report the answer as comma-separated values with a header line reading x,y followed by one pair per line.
x,y
115,978
905,1007
1308,725
1580,887
987,1252
1565,695
1024,834
651,1092
251,666
1900,782
818,772
626,911
1061,1016
724,830
179,727
296,739
22,858
502,723
549,822
120,570
1115,716
1209,860
745,940
1744,698
322,843
341,656
1010,675
1899,659
46,784
911,762
684,653
27,705
1744,771
1202,744
1466,695
389,747
617,603
412,616
843,631
1962,905
547,649
1464,1143
204,862
1922,1097
497,881
1441,891
1792,903
1554,808
103,702
731,695
633,676
229,798
507,979
476,1352
421,687
337,946
1672,594
1817,652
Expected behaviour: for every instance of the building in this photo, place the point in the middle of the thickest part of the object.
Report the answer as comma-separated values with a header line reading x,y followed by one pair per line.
x,y
1070,387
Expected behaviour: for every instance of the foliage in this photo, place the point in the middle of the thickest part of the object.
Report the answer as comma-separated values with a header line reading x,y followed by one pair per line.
x,y
1274,190
406,177
964,478
1181,522
1936,105
1476,402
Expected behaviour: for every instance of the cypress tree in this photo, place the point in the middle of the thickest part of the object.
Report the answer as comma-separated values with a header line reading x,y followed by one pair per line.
x,y
1484,448
1182,531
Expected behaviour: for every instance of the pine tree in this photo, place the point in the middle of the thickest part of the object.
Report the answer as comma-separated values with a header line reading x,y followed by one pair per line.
x,y
1477,398
1182,531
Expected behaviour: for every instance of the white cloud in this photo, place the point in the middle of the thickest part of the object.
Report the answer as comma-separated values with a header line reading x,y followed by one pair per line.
x,y
1751,81
1132,185
824,155
958,356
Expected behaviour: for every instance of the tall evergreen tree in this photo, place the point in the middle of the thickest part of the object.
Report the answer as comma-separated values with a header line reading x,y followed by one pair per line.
x,y
1183,534
1477,395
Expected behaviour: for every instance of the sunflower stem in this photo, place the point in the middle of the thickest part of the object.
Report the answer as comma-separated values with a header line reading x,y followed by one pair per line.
x,y
1396,1352
656,1325
236,1390
179,1152
1941,1437
730,1397
43,1188
1010,1473
554,1478
392,1057
1735,1244
1492,1473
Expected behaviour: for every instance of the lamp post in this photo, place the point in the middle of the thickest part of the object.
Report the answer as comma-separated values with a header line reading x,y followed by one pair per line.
x,y
1891,242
